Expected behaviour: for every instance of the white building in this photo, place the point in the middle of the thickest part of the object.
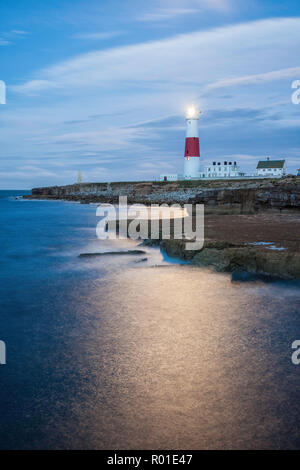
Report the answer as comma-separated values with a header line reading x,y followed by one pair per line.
x,y
272,168
222,170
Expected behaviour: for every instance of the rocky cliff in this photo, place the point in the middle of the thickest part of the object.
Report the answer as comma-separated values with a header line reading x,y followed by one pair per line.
x,y
219,197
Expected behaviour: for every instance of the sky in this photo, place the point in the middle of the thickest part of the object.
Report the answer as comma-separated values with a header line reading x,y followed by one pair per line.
x,y
102,86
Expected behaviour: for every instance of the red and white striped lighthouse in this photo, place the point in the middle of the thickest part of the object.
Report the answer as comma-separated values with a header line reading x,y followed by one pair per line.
x,y
192,148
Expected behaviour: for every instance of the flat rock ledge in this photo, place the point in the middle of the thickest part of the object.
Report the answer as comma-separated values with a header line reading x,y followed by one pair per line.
x,y
114,253
228,257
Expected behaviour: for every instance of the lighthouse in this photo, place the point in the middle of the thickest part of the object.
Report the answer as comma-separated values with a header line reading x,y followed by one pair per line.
x,y
192,148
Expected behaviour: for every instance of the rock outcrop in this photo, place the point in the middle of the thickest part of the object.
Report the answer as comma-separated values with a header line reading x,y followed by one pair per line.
x,y
251,225
266,243
112,253
224,257
219,197
275,197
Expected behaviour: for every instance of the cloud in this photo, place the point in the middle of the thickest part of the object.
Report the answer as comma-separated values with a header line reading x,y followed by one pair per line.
x,y
165,14
98,35
256,79
123,139
122,108
245,52
6,37
168,9
19,32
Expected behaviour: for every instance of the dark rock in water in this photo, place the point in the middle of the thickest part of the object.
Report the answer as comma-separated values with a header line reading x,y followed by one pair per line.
x,y
255,259
224,256
141,260
129,252
149,242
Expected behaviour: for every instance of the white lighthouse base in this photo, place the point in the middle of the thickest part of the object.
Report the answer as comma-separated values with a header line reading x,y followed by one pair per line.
x,y
191,167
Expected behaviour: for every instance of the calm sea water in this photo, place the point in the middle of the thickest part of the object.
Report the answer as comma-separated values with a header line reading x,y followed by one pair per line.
x,y
111,353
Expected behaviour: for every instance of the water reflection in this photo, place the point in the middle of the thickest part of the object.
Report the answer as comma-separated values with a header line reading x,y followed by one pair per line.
x,y
108,353
185,359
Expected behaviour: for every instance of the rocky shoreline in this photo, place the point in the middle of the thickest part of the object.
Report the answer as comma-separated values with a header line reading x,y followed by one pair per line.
x,y
251,225
223,257
220,197
264,244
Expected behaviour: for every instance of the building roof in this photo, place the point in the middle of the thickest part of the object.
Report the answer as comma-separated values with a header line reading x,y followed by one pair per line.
x,y
270,164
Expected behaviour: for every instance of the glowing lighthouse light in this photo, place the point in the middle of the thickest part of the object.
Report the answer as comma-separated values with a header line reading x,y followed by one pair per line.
x,y
192,148
191,112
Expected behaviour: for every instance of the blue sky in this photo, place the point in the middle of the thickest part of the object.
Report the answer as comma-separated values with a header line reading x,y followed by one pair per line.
x,y
102,86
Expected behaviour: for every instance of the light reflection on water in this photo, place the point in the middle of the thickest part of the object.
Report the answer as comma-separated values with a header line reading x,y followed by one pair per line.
x,y
180,358
110,353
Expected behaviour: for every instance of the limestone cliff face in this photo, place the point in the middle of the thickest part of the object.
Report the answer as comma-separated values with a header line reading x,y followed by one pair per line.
x,y
250,200
219,197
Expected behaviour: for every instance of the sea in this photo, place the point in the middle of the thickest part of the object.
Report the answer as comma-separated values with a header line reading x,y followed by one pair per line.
x,y
119,352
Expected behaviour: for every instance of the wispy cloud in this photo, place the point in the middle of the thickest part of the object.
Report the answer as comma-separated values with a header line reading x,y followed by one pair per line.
x,y
168,9
200,58
165,14
6,38
98,35
19,32
256,78
126,104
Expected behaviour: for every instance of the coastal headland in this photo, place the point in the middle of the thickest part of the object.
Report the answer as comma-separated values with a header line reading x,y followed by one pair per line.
x,y
250,225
